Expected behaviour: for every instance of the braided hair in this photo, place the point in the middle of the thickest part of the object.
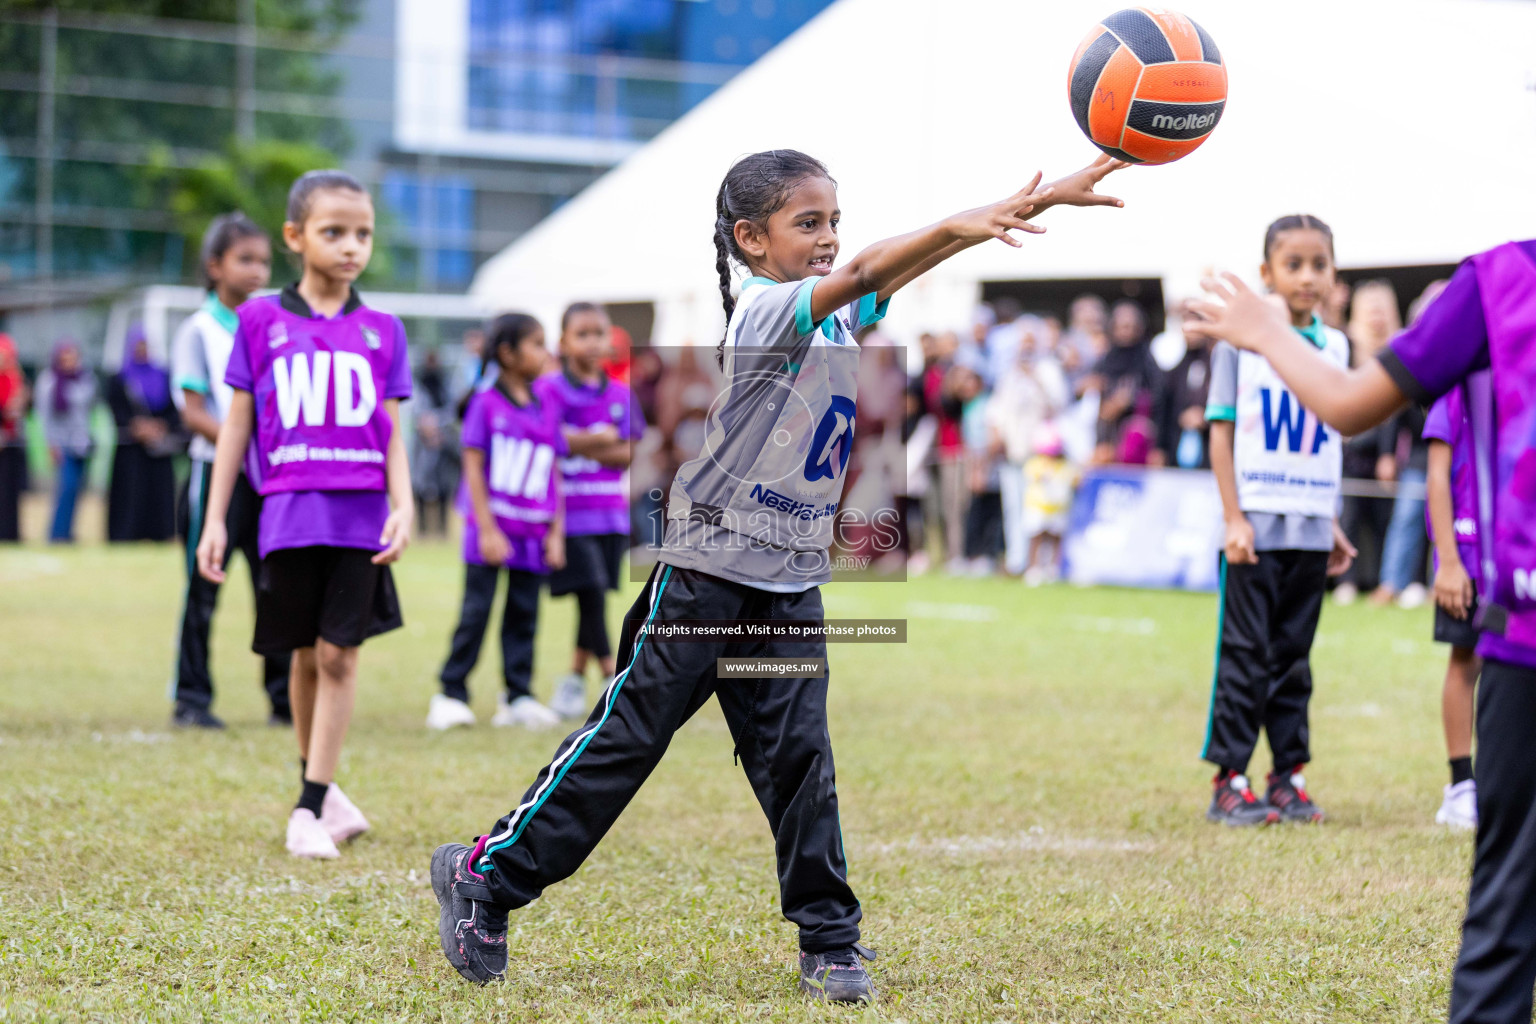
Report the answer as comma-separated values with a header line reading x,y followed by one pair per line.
x,y
754,189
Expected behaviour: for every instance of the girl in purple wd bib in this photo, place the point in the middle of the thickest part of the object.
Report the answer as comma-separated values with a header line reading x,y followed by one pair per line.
x,y
510,500
1478,336
315,414
601,419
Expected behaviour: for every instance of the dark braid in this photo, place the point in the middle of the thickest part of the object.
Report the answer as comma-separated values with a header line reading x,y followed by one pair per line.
x,y
754,189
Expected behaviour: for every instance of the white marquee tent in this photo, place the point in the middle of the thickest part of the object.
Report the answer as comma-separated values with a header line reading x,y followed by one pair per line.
x,y
1409,125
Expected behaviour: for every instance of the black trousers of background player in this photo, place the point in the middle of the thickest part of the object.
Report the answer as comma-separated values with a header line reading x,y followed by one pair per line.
x,y
1496,970
779,727
519,624
193,683
1269,613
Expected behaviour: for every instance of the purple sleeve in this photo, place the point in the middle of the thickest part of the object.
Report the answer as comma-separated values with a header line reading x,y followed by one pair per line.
x,y
237,372
399,383
473,434
562,443
1449,341
1437,425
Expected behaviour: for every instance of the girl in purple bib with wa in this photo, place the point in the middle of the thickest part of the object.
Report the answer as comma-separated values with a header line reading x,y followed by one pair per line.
x,y
510,500
601,419
1478,338
317,381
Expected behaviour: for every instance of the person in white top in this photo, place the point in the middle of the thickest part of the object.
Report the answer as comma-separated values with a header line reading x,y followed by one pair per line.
x,y
236,262
1278,467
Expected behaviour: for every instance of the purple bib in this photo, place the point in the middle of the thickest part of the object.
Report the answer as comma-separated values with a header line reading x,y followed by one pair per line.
x,y
595,495
1448,422
319,386
1503,417
522,445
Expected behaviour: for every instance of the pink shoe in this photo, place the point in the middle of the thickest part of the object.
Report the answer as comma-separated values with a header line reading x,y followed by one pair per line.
x,y
340,816
308,838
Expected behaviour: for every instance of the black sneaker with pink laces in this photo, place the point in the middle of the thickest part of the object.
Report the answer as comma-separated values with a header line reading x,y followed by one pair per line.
x,y
1233,802
838,975
1287,793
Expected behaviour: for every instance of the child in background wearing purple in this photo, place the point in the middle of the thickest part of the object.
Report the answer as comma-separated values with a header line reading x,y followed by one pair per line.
x,y
510,499
601,420
328,469
1452,514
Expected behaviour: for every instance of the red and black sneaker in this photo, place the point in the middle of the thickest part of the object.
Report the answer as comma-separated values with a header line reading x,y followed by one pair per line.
x,y
1288,794
1233,803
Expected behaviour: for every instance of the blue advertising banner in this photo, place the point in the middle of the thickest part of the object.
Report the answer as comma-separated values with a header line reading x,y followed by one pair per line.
x,y
1138,527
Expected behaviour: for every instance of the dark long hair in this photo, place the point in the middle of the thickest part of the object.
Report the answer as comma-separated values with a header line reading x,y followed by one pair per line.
x,y
754,189
1295,222
221,236
509,329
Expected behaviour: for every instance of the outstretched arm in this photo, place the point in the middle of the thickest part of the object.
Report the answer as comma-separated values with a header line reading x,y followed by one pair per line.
x,y
882,265
1349,400
1075,189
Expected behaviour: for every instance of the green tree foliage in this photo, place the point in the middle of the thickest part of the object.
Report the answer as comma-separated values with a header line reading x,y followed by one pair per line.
x,y
146,123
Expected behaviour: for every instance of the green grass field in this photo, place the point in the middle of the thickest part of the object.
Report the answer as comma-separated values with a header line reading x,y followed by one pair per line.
x,y
1022,800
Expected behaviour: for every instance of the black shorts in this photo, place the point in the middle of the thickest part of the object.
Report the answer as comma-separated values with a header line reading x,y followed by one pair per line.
x,y
593,561
1454,631
334,594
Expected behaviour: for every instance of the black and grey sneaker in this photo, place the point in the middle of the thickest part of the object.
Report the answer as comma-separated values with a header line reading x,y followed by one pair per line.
x,y
1287,794
1233,803
837,976
471,927
195,716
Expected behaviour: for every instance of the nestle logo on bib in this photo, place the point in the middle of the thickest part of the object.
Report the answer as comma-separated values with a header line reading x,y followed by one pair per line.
x,y
277,336
371,337
1182,123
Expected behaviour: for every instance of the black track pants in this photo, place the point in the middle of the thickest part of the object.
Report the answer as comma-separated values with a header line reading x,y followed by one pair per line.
x,y
1496,970
780,731
1269,614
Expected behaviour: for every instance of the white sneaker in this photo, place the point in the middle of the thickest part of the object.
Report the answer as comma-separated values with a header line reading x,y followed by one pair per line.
x,y
526,712
308,838
1035,575
1458,808
1345,593
446,712
1413,596
570,700
341,817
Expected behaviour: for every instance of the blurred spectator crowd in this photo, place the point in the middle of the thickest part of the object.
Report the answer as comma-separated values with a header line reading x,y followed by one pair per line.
x,y
976,448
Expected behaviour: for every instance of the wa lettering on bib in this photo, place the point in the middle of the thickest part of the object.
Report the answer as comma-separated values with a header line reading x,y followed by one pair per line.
x,y
1287,460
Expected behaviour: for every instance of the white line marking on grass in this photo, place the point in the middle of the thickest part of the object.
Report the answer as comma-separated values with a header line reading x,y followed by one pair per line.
x,y
132,736
1034,840
1112,624
957,612
19,566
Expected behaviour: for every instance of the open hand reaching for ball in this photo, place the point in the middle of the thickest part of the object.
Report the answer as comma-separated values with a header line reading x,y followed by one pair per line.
x,y
1234,313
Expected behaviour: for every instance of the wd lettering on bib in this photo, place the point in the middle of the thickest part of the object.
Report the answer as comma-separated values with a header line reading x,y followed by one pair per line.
x,y
1278,419
520,468
302,388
